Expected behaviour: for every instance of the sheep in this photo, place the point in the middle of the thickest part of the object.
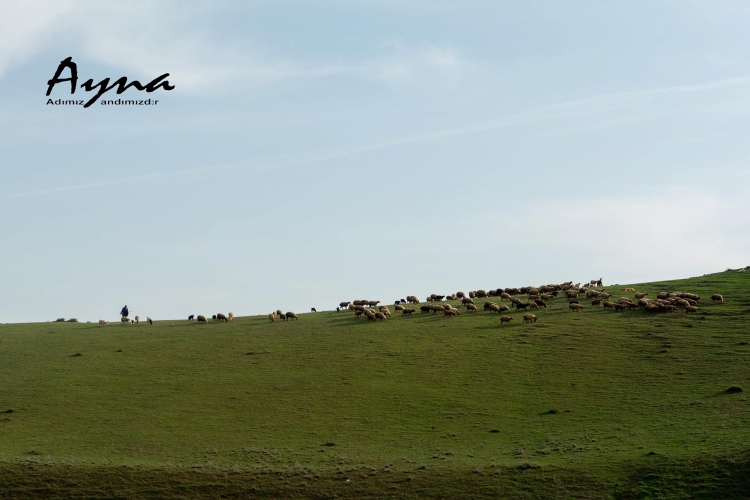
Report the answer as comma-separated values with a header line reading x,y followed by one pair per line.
x,y
103,322
213,317
574,307
533,306
609,305
628,289
125,320
621,307
540,303
741,270
596,303
230,316
291,315
132,322
373,303
399,308
481,293
201,319
460,295
717,298
280,314
494,308
344,305
640,295
272,317
407,312
358,313
313,310
529,318
449,313
412,299
505,296
506,319
149,320
471,307
220,317
137,320
190,318
425,309
503,309
520,305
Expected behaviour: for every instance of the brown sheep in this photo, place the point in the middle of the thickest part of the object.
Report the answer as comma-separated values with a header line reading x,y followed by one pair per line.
x,y
399,308
449,313
533,306
271,317
460,295
481,293
495,308
574,307
691,309
103,322
506,319
503,309
640,295
358,313
717,298
380,317
137,320
313,310
529,318
407,312
609,305
621,307
291,315
344,305
471,307
596,303
628,289
425,309
201,319
504,296
220,317
125,320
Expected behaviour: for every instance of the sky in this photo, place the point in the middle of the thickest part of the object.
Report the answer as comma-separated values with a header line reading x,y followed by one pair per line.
x,y
318,152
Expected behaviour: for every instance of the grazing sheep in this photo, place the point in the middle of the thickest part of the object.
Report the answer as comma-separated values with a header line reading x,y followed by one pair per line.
x,y
425,309
213,317
449,313
481,294
132,322
125,320
407,312
640,295
521,305
505,296
540,303
717,298
495,308
380,317
741,270
609,305
230,316
503,309
628,289
344,305
313,310
373,303
574,307
201,319
412,299
529,318
691,309
399,308
596,303
190,318
149,320
460,295
506,319
103,322
291,315
272,317
220,317
621,307
137,320
358,312
471,307
533,306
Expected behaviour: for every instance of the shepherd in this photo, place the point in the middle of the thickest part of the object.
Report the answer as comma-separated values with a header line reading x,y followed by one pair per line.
x,y
124,312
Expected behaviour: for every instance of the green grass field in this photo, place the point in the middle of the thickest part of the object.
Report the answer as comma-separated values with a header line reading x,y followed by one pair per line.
x,y
424,406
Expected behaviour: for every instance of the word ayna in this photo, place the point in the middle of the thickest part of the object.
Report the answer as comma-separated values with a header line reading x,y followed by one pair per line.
x,y
103,86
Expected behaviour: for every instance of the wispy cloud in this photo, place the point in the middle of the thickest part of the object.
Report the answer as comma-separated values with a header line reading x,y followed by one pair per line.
x,y
544,113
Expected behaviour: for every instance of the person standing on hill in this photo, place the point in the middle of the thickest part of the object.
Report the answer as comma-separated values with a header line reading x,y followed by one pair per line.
x,y
124,312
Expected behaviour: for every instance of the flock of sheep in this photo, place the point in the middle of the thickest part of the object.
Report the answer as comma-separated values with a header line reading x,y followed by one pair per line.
x,y
536,298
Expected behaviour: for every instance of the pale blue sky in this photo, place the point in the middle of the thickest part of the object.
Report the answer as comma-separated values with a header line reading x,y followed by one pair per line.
x,y
314,152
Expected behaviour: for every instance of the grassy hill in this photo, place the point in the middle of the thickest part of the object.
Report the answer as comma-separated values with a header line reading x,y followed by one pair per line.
x,y
594,404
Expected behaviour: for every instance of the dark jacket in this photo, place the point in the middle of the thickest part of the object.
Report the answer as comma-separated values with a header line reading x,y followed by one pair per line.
x,y
124,311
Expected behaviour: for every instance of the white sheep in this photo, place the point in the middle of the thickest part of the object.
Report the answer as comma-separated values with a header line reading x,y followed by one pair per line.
x,y
103,322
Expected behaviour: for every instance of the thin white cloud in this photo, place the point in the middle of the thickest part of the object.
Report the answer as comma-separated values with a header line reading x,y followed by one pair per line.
x,y
535,115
